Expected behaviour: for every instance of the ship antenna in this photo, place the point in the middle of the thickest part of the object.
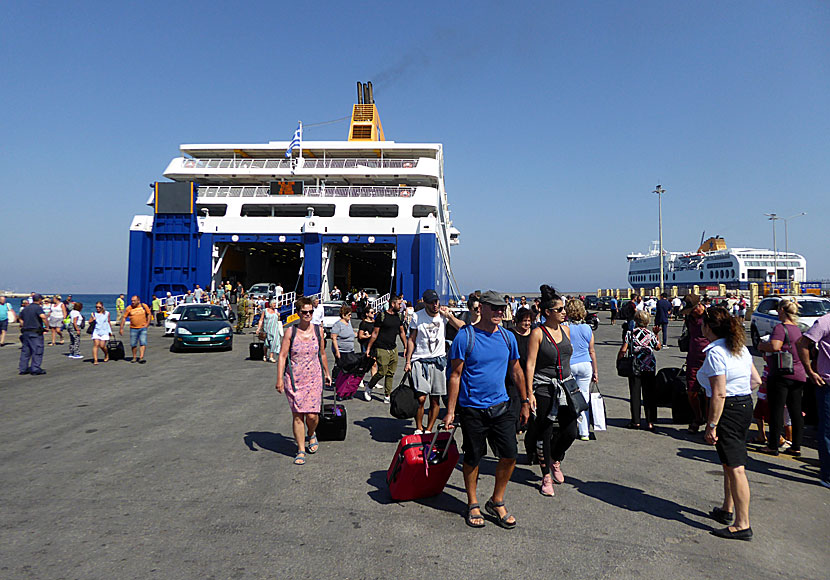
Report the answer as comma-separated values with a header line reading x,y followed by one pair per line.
x,y
703,235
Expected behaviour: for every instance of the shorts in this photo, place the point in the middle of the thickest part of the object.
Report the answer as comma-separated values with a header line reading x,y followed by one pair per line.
x,y
138,336
435,383
496,424
4,325
732,430
55,322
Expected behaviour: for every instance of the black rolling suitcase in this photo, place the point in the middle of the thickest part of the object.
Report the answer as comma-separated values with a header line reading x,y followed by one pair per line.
x,y
669,380
115,348
332,425
681,410
257,350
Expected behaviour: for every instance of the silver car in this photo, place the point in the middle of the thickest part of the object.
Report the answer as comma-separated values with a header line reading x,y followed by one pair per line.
x,y
765,316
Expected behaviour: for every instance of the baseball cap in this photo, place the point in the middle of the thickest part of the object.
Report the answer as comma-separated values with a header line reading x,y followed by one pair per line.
x,y
37,297
492,298
430,295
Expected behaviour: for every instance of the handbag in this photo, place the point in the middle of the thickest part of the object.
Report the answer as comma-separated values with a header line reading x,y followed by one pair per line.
x,y
576,400
403,402
781,362
683,341
625,364
91,328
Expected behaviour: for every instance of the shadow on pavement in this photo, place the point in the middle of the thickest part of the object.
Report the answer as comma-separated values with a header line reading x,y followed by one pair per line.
x,y
268,441
441,502
386,429
753,465
636,500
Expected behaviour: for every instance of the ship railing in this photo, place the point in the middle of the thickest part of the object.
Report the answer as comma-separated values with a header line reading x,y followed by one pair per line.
x,y
282,163
381,303
310,191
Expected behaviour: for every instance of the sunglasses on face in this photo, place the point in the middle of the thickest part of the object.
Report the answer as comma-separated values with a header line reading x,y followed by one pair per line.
x,y
306,311
497,309
560,309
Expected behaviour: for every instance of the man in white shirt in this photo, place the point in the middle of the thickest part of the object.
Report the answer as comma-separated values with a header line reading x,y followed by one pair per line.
x,y
426,358
676,304
278,290
197,293
319,312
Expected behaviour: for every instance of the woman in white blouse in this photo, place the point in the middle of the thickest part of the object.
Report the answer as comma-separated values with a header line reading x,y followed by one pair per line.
x,y
728,377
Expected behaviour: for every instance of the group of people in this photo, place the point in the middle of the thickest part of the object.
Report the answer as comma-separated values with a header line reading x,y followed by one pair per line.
x,y
39,316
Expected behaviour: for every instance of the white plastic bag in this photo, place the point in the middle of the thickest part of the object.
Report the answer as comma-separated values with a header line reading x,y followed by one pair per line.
x,y
598,411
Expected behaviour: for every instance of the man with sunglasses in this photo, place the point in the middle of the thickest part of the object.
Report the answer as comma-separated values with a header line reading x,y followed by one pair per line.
x,y
426,357
388,326
481,355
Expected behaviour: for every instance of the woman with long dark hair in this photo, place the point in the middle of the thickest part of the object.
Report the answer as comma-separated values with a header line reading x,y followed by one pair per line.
x,y
548,366
728,375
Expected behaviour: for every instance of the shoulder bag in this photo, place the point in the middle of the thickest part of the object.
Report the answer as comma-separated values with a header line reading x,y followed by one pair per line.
x,y
781,362
403,402
576,400
683,341
625,364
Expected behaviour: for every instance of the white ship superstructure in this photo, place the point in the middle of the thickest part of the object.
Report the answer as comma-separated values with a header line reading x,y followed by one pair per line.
x,y
713,263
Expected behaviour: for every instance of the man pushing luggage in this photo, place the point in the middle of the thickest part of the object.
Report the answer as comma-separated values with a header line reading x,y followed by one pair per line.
x,y
481,355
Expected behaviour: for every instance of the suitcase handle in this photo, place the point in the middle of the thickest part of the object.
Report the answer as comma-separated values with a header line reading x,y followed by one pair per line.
x,y
428,454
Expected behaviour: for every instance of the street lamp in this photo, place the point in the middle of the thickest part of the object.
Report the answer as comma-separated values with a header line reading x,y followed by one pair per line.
x,y
773,217
786,240
660,191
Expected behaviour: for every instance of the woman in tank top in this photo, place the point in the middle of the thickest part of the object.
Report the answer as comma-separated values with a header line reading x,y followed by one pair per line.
x,y
548,364
101,332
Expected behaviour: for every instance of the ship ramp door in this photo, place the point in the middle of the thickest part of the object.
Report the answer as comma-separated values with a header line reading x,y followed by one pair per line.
x,y
255,261
359,264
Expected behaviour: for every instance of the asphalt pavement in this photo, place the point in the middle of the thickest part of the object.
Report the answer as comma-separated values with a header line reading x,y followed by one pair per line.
x,y
182,468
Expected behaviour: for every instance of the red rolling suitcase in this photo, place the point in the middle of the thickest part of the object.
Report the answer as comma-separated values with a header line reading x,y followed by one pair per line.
x,y
411,476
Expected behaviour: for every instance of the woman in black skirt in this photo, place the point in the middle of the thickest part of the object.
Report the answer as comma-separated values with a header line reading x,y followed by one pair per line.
x,y
728,376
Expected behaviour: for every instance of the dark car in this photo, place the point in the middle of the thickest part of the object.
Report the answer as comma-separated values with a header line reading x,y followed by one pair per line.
x,y
605,303
591,303
203,326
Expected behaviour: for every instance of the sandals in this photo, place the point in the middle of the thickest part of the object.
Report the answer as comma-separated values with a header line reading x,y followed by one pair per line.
x,y
300,458
312,445
502,521
470,517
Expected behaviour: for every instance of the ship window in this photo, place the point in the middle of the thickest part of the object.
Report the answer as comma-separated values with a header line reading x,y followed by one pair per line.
x,y
286,210
420,211
373,210
214,209
711,275
701,275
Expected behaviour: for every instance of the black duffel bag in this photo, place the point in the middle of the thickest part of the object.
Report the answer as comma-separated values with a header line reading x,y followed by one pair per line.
x,y
403,402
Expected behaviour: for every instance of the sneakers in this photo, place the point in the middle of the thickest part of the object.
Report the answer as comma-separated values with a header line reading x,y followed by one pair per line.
x,y
547,486
367,396
825,482
584,438
76,356
386,400
556,472
418,432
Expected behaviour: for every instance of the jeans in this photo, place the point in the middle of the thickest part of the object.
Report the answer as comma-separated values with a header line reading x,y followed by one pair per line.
x,y
583,372
665,327
138,336
823,410
31,355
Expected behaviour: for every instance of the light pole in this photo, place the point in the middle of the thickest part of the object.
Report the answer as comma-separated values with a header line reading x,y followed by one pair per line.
x,y
660,191
787,242
773,217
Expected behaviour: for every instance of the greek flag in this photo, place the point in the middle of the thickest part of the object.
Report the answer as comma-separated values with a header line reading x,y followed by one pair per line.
x,y
297,141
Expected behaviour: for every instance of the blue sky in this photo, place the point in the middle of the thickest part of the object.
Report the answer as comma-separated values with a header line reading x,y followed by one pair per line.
x,y
558,119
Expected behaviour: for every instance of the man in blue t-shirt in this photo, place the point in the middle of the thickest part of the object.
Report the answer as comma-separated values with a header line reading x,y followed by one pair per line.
x,y
613,306
481,355
33,323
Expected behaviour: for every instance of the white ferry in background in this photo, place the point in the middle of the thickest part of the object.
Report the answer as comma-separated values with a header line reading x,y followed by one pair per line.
x,y
712,264
360,213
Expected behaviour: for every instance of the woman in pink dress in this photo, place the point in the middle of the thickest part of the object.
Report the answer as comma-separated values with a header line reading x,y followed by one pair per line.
x,y
302,370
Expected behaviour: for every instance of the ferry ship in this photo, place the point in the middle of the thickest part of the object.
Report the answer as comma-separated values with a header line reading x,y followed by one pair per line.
x,y
713,264
359,213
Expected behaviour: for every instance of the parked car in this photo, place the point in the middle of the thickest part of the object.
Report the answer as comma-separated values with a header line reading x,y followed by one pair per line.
x,y
372,293
591,303
202,326
765,317
604,303
172,319
331,314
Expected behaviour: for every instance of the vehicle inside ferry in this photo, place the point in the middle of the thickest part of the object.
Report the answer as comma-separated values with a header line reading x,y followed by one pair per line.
x,y
255,262
357,266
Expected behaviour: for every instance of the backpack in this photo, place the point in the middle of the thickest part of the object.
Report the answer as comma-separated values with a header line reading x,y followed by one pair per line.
x,y
382,316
